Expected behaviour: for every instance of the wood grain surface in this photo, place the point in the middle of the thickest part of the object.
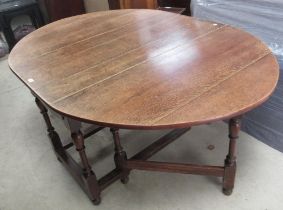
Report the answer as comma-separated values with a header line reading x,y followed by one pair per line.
x,y
145,69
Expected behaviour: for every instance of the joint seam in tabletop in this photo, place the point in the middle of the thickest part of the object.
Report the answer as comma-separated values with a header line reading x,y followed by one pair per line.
x,y
99,34
42,28
209,89
112,30
130,51
134,49
212,29
172,18
122,54
127,69
109,41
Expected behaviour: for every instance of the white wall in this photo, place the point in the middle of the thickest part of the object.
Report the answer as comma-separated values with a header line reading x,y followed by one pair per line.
x,y
96,5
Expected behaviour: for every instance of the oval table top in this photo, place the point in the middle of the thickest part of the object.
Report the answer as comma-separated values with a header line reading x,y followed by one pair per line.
x,y
145,69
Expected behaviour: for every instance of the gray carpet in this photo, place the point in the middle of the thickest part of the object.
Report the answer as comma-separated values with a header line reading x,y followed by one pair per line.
x,y
32,178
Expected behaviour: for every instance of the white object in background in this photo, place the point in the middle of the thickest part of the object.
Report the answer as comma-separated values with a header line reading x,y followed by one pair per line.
x,y
96,5
3,48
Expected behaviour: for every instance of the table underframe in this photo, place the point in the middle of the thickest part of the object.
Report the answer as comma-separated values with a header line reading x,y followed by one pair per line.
x,y
92,186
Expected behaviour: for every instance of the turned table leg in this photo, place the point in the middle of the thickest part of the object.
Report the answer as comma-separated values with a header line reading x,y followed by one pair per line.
x,y
89,176
53,135
120,156
230,161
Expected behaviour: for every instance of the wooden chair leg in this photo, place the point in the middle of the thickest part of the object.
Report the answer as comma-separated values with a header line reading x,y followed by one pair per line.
x,y
120,156
230,161
89,175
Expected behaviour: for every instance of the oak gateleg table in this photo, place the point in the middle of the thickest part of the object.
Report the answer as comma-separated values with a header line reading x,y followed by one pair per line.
x,y
143,69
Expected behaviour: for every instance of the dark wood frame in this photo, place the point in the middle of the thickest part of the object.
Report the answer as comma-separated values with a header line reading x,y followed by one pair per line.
x,y
61,9
115,4
87,179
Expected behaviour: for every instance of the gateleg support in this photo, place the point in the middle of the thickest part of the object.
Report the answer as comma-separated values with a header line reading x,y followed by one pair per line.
x,y
231,159
120,156
89,176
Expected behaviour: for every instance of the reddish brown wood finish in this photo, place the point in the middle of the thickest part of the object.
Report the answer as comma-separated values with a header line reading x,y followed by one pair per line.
x,y
230,161
138,4
175,168
167,70
84,175
120,156
89,175
144,69
158,145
